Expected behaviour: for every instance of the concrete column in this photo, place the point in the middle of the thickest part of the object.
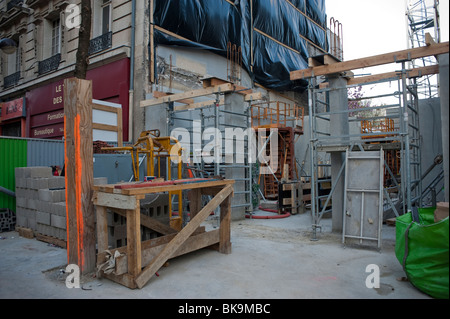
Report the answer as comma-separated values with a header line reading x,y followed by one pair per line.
x,y
339,126
443,91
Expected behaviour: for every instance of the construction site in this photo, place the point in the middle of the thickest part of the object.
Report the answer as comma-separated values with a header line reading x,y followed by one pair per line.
x,y
220,150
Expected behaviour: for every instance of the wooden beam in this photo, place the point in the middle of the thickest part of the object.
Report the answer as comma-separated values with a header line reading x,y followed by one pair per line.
x,y
159,94
403,55
413,73
149,223
149,252
228,87
181,237
134,242
79,174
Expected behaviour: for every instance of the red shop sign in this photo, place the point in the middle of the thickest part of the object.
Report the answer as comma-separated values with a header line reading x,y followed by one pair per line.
x,y
13,109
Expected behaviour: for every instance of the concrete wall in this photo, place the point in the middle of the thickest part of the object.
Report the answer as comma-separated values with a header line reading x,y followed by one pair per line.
x,y
444,84
431,133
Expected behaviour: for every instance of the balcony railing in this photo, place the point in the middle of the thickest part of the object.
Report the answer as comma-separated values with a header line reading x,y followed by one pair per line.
x,y
50,64
11,4
11,80
100,43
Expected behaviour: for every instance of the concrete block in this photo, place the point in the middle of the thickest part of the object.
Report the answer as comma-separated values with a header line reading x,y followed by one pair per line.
x,y
100,181
22,172
52,196
56,182
43,206
21,192
19,172
21,221
32,204
62,234
39,183
21,202
33,194
39,171
32,222
43,218
29,183
58,221
21,182
58,209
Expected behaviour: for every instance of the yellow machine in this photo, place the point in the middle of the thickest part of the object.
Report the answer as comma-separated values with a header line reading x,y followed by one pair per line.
x,y
158,149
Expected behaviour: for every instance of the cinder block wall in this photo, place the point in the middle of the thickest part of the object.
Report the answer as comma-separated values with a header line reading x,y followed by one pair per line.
x,y
41,206
41,201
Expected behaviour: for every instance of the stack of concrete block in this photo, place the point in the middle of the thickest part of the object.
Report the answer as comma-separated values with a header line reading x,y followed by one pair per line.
x,y
41,201
154,205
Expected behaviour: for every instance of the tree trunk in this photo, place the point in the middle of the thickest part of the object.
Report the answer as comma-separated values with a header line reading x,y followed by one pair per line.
x,y
84,39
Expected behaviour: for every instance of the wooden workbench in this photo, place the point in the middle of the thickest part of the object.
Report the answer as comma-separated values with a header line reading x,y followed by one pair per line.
x,y
139,261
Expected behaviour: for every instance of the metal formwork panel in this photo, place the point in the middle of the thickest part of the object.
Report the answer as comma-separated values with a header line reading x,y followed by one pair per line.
x,y
363,198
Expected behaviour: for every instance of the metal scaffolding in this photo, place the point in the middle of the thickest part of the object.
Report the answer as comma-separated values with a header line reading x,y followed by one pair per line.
x,y
398,106
422,19
212,115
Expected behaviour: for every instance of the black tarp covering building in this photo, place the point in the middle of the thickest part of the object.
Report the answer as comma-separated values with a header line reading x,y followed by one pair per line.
x,y
272,34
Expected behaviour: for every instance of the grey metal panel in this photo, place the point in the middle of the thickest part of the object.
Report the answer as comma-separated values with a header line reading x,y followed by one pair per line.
x,y
363,197
116,167
42,152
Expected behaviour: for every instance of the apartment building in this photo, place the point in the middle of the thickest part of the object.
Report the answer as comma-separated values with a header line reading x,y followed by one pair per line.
x,y
46,34
138,47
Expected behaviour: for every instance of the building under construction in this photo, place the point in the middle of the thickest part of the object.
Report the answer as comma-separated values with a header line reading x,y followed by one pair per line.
x,y
197,116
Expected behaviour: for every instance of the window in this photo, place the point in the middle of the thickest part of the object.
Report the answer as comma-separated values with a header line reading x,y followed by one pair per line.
x,y
56,37
101,17
106,16
14,60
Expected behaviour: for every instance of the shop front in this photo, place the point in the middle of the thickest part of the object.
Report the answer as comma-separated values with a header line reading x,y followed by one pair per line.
x,y
45,105
12,118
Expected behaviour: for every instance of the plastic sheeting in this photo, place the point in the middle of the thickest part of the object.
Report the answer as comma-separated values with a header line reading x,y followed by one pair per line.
x,y
211,25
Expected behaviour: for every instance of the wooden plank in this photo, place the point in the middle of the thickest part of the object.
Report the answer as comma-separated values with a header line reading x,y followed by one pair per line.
x,y
228,87
134,242
144,246
392,57
225,231
115,200
172,188
198,105
413,73
51,240
253,97
149,223
181,237
25,232
195,201
193,243
79,174
102,230
159,94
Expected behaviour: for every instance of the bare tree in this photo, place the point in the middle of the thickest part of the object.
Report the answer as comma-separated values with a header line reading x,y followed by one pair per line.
x,y
84,38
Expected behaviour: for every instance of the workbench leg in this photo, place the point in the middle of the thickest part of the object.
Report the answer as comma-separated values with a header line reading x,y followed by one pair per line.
x,y
195,202
134,241
225,231
102,230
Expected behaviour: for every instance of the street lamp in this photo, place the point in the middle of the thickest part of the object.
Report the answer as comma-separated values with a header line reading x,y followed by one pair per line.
x,y
8,46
